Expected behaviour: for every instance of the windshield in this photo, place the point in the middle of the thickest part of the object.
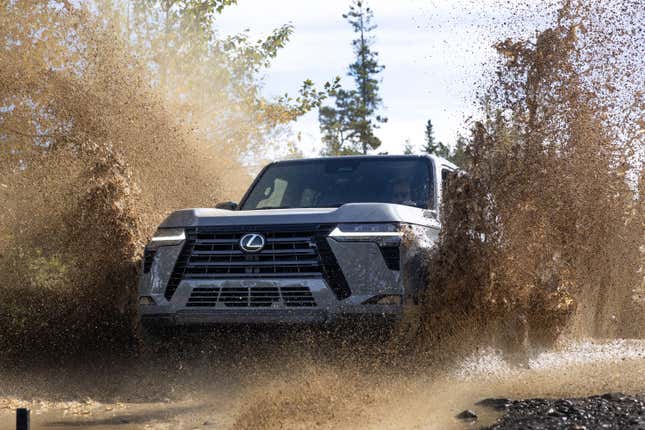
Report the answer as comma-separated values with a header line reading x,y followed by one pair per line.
x,y
334,182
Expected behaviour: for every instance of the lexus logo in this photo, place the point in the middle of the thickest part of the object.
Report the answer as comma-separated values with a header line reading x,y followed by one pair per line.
x,y
252,242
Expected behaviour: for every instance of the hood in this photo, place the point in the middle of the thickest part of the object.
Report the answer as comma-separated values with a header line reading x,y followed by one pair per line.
x,y
351,212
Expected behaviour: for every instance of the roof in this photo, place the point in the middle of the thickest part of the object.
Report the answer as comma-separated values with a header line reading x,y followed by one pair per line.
x,y
440,160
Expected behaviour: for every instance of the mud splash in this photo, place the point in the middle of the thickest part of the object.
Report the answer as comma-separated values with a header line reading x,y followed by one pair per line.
x,y
543,234
94,152
225,388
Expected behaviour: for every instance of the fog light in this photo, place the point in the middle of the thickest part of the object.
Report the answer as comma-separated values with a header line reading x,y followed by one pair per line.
x,y
386,299
146,300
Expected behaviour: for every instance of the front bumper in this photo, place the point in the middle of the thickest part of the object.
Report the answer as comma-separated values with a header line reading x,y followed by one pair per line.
x,y
323,307
272,300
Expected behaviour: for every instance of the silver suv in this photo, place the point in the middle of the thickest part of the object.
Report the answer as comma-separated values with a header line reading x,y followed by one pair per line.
x,y
311,241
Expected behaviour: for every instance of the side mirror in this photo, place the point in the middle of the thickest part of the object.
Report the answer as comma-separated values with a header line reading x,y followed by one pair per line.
x,y
229,206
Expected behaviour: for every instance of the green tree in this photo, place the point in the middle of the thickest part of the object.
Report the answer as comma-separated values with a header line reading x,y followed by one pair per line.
x,y
334,122
365,71
459,155
331,128
408,148
348,128
215,80
431,145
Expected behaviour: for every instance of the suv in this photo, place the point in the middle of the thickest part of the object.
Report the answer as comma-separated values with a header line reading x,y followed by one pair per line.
x,y
311,241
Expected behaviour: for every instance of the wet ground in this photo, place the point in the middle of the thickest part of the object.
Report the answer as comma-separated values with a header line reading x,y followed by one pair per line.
x,y
606,411
262,387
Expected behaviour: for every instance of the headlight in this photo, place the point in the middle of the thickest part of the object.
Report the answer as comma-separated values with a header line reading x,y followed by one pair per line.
x,y
369,228
367,232
168,236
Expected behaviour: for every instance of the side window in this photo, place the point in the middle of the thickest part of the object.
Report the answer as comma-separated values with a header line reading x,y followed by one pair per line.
x,y
445,174
430,188
273,194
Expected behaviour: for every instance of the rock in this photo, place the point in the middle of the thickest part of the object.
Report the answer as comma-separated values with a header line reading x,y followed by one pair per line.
x,y
554,413
498,404
467,415
564,404
610,411
613,397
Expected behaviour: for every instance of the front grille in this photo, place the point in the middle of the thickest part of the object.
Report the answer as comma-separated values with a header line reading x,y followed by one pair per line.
x,y
253,297
290,251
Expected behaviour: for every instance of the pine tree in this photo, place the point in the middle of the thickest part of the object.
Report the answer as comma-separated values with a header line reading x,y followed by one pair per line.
x,y
348,128
334,124
365,71
432,146
331,130
408,148
459,156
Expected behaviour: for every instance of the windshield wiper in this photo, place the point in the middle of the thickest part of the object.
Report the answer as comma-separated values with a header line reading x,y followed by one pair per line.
x,y
272,207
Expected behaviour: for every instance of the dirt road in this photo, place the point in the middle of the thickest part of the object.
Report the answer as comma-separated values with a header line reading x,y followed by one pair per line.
x,y
257,386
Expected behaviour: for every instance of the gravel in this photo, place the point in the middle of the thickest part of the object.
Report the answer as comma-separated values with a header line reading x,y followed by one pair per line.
x,y
607,411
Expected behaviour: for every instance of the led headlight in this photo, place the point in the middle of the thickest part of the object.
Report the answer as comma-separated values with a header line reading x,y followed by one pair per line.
x,y
383,234
364,230
168,236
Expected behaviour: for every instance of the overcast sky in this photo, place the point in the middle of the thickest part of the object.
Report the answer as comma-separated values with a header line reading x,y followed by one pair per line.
x,y
433,52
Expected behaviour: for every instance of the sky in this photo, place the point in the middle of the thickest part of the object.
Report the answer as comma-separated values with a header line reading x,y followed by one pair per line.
x,y
433,52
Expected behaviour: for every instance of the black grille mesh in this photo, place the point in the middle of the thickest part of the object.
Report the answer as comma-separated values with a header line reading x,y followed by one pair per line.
x,y
290,251
254,297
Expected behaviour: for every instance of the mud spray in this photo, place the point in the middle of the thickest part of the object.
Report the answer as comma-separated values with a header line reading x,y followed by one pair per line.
x,y
95,151
542,245
543,234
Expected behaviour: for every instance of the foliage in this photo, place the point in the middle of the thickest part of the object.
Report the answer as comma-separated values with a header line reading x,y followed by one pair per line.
x,y
459,154
431,145
334,124
348,128
408,148
215,80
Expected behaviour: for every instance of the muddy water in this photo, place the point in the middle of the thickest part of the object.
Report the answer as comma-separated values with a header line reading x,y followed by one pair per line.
x,y
207,390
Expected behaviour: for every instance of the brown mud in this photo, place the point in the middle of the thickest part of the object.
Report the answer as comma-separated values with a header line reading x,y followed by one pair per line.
x,y
94,153
543,234
284,382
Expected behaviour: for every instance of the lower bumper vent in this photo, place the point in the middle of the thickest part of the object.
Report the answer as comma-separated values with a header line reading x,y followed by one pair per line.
x,y
251,297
